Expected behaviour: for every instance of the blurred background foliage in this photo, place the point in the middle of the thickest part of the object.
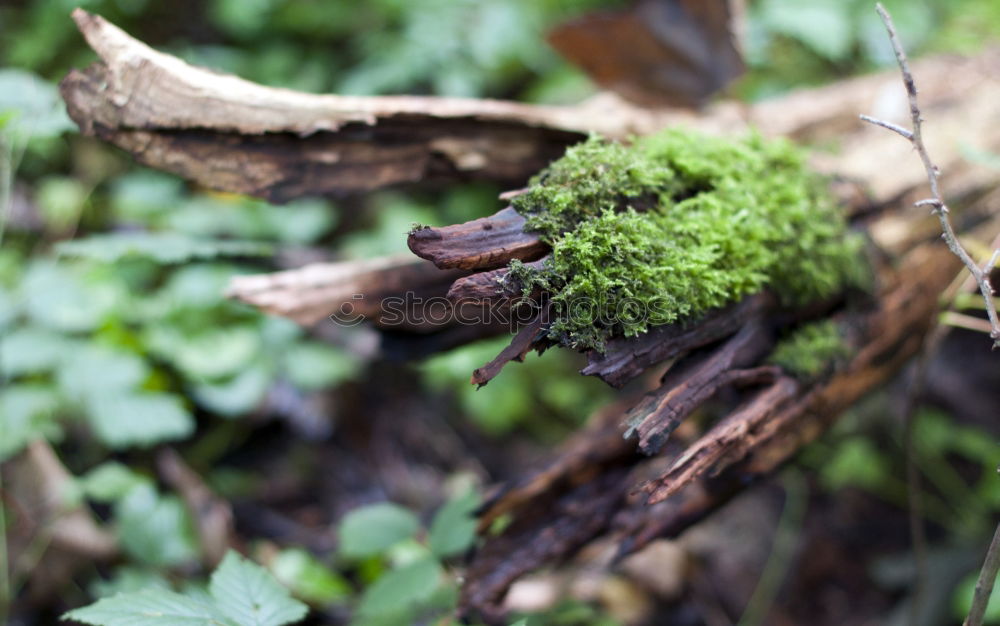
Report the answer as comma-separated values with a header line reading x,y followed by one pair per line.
x,y
111,275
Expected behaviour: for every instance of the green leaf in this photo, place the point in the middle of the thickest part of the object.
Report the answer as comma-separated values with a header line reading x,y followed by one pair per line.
x,y
110,481
825,26
59,298
26,413
155,530
371,529
37,109
151,606
213,354
139,419
308,578
237,396
402,589
143,193
94,371
454,527
313,366
160,247
32,350
129,579
248,595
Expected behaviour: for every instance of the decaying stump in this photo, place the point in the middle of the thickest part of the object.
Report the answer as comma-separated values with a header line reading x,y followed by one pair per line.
x,y
230,134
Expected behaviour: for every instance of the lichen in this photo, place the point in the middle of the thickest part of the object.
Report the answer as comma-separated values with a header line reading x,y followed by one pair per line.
x,y
676,224
811,350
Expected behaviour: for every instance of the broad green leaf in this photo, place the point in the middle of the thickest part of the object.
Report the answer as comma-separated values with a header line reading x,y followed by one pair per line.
x,y
313,366
139,419
308,578
371,529
160,247
155,607
154,529
59,298
197,285
402,589
26,413
247,594
454,527
110,481
32,350
37,109
94,371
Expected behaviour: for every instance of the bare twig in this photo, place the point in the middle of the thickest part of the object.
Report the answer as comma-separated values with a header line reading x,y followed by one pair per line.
x,y
940,209
984,585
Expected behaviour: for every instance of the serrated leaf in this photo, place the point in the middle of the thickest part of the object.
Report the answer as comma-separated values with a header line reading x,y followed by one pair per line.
x,y
158,607
454,527
401,589
160,247
138,419
371,529
246,593
26,413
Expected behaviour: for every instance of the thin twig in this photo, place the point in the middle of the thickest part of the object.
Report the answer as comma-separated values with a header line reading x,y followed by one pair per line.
x,y
936,200
985,583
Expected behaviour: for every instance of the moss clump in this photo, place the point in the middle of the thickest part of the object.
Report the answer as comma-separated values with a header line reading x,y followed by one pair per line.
x,y
811,350
676,224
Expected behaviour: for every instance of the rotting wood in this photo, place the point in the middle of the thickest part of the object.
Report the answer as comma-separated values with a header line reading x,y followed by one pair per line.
x,y
959,95
231,134
481,244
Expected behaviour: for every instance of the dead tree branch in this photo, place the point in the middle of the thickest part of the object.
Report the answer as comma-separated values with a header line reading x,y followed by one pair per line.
x,y
936,201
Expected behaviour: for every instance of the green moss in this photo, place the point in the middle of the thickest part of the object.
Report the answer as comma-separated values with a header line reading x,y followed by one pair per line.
x,y
811,350
676,224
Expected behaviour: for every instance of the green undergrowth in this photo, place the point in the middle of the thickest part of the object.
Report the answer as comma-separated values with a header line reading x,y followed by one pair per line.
x,y
676,224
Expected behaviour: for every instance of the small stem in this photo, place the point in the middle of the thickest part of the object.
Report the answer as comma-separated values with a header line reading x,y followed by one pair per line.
x,y
940,209
985,582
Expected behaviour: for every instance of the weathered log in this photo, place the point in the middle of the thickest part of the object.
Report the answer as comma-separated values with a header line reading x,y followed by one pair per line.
x,y
230,134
